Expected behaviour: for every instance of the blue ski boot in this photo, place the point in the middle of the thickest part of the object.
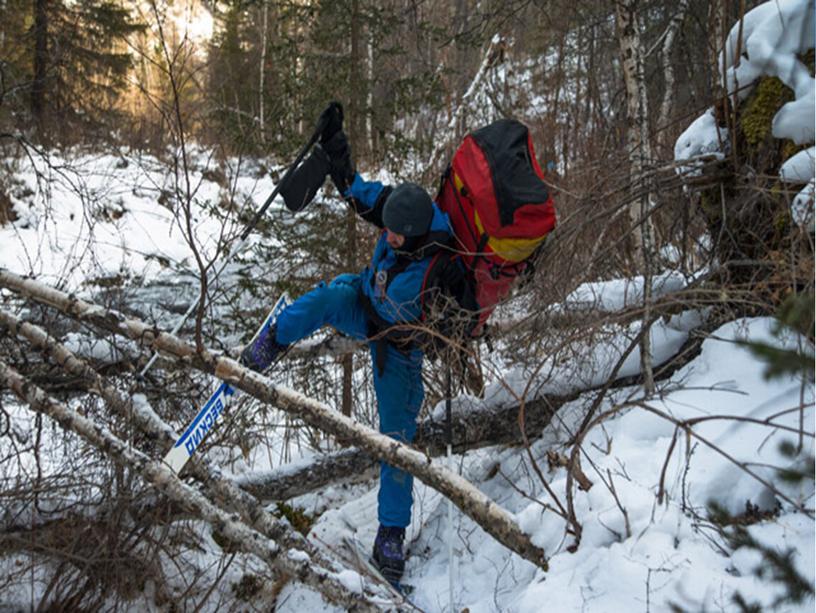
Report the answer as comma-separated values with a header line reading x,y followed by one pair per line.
x,y
262,350
388,555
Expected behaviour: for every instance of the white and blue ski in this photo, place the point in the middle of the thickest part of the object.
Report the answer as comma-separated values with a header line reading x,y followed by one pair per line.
x,y
205,419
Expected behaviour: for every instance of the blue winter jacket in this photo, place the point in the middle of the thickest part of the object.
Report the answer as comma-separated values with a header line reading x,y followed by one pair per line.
x,y
394,295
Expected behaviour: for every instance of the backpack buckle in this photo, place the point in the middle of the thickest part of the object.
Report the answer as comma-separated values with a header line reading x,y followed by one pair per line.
x,y
381,280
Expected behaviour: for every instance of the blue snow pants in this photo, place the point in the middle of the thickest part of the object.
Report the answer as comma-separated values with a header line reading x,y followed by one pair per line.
x,y
398,388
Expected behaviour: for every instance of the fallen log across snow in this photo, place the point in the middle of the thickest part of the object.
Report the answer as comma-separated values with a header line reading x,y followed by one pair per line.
x,y
470,430
491,518
218,488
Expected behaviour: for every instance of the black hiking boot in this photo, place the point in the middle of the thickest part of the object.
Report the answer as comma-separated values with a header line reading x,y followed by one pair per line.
x,y
262,350
388,555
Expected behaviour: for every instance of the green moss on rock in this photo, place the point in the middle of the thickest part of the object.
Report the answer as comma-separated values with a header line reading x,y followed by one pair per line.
x,y
789,149
757,113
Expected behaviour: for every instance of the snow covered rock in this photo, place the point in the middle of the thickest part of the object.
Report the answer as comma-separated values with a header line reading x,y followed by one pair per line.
x,y
769,42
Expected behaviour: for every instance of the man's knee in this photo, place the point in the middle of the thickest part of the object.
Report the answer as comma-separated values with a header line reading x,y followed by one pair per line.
x,y
347,280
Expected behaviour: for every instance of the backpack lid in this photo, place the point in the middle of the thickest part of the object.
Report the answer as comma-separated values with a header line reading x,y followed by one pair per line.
x,y
503,148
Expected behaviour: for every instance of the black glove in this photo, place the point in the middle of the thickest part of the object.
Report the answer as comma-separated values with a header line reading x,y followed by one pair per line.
x,y
331,120
340,167
455,281
300,189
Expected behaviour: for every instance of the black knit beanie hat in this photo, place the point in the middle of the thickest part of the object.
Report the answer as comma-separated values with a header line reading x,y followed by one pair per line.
x,y
408,210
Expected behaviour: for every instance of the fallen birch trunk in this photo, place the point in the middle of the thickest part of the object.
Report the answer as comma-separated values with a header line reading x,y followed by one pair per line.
x,y
491,518
471,430
289,481
294,563
222,490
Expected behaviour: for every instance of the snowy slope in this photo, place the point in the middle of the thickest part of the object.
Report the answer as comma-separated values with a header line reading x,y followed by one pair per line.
x,y
86,217
668,553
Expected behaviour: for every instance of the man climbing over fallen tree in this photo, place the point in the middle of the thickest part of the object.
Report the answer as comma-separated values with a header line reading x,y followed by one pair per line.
x,y
441,266
381,304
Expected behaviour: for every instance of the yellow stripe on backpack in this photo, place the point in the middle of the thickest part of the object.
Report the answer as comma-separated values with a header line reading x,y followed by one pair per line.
x,y
510,249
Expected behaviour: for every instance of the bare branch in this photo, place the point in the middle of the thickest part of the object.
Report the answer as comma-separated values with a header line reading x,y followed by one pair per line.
x,y
240,535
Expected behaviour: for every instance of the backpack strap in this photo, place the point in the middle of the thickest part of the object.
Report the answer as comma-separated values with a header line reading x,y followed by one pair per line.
x,y
432,244
383,331
449,278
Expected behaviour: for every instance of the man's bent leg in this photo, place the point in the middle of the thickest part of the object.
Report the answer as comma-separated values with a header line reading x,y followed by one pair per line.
x,y
335,304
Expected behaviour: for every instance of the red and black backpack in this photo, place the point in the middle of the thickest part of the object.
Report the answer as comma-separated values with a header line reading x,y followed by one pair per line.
x,y
501,212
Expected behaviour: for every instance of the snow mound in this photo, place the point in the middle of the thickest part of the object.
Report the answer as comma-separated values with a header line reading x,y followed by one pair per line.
x,y
703,137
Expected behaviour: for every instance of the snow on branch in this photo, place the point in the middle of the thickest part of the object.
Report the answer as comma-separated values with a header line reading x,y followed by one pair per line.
x,y
771,41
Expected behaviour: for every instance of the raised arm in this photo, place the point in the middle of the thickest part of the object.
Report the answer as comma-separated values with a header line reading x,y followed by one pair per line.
x,y
368,199
332,155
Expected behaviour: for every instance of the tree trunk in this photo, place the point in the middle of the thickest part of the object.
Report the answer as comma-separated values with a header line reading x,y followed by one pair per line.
x,y
369,108
356,141
717,31
40,67
632,56
668,70
493,55
262,71
485,512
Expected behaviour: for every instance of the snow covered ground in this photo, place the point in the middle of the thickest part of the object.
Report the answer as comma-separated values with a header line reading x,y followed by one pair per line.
x,y
635,553
94,217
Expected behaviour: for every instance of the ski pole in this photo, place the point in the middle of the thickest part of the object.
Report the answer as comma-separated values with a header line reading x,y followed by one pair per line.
x,y
449,436
321,125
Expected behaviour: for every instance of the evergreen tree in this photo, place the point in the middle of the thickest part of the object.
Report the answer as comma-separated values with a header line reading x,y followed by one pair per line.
x,y
232,62
15,62
79,62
